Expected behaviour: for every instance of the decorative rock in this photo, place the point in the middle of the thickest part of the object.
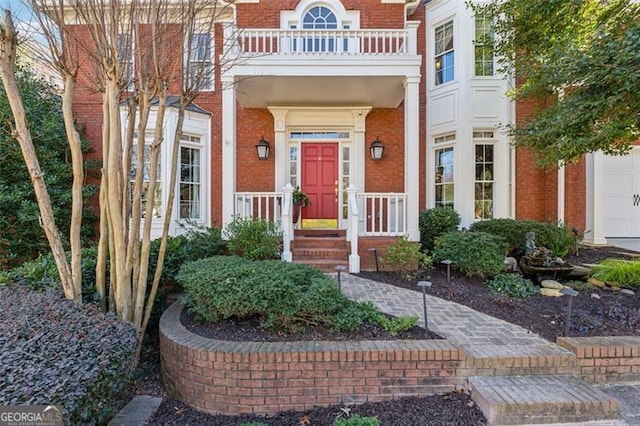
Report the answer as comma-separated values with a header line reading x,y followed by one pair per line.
x,y
510,264
551,284
596,282
627,291
595,296
580,271
551,292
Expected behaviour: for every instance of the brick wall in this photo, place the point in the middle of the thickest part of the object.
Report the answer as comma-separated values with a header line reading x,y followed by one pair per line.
x,y
605,359
268,377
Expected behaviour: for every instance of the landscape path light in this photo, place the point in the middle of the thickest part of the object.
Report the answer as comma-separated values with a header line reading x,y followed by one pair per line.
x,y
375,256
571,293
448,263
424,285
340,268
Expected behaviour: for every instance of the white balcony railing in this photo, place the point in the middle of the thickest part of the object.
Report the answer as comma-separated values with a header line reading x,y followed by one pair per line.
x,y
326,42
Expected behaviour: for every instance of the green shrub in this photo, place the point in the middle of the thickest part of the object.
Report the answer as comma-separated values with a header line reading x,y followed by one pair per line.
x,y
57,352
405,256
196,243
514,286
624,272
22,237
42,273
285,296
473,253
357,420
557,238
255,239
435,222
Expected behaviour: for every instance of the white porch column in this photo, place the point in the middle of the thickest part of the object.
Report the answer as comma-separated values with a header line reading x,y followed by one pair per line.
x,y
280,146
412,154
594,234
561,193
359,147
228,148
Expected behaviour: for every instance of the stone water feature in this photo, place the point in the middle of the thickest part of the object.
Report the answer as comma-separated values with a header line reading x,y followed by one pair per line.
x,y
542,262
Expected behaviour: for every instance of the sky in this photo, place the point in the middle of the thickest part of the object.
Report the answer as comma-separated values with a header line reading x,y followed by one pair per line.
x,y
19,10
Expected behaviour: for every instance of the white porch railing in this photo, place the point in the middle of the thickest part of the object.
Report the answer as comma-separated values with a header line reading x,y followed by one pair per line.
x,y
384,214
369,214
326,42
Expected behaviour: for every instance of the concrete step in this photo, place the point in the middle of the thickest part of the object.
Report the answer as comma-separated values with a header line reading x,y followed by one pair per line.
x,y
520,400
520,359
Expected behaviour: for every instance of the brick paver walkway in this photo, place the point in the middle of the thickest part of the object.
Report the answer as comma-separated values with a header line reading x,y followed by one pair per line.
x,y
479,334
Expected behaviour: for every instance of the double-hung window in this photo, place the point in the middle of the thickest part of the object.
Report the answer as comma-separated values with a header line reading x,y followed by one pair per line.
x,y
484,173
156,211
444,171
190,177
483,47
444,53
200,61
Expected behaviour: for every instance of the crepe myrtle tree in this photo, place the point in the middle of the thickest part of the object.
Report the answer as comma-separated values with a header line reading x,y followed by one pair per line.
x,y
579,61
128,52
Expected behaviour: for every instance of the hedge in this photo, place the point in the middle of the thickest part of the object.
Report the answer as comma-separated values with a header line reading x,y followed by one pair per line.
x,y
54,351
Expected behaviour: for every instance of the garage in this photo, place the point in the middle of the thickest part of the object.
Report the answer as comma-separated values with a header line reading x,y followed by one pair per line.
x,y
621,195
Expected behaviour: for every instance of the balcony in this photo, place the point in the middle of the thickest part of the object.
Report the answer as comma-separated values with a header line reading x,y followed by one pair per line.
x,y
326,42
346,67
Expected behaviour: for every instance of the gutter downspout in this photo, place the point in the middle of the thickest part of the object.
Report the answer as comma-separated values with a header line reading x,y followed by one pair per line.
x,y
409,8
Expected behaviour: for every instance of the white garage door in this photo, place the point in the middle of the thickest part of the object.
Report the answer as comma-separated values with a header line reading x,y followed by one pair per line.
x,y
621,195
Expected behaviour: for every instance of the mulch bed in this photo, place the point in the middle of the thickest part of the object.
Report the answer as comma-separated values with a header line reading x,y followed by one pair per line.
x,y
596,312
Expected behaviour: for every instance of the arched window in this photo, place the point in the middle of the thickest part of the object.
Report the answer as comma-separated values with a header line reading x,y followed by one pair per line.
x,y
320,18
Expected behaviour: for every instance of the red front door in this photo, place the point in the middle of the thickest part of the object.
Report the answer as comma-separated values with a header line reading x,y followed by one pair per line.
x,y
320,180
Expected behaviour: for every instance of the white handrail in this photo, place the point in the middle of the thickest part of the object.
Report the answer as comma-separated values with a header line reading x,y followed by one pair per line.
x,y
261,205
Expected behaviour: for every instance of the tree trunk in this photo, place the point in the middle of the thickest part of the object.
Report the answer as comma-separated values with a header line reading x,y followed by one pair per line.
x,y
76,189
8,43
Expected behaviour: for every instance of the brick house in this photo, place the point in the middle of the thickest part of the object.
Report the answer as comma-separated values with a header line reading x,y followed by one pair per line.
x,y
325,84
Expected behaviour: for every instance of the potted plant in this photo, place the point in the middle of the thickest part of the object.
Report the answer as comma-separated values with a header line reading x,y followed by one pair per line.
x,y
300,200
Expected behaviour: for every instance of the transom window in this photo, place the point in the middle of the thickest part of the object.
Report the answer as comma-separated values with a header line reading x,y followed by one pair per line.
x,y
483,50
444,59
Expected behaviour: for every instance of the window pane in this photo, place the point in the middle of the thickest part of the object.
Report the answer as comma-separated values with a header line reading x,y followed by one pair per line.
x,y
190,183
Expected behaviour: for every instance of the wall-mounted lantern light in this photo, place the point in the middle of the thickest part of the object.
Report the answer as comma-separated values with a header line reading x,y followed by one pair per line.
x,y
263,148
377,148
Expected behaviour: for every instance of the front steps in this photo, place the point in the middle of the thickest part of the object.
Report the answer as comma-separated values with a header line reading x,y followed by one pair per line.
x,y
322,249
522,400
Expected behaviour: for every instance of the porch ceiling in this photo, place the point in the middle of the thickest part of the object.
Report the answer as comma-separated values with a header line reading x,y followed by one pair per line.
x,y
375,91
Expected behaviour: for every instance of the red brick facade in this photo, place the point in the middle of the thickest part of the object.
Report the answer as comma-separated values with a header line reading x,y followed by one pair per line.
x,y
536,189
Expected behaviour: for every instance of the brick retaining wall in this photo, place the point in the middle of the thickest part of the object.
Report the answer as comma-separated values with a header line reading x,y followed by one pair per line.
x,y
605,359
267,377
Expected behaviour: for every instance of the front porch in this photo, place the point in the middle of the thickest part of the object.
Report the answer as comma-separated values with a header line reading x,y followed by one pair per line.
x,y
373,220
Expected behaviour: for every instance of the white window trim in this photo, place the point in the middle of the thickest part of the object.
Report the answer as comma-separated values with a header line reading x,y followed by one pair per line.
x,y
492,141
200,147
453,49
